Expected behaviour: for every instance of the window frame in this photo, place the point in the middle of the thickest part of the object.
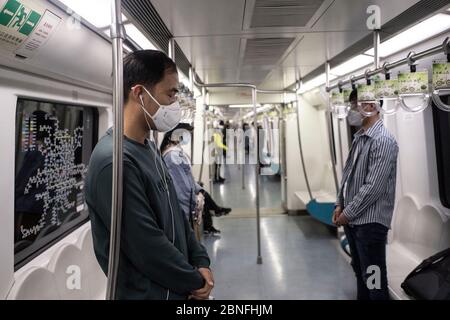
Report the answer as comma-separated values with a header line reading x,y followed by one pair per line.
x,y
71,226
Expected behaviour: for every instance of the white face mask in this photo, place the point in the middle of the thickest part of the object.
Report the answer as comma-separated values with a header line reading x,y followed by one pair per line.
x,y
355,118
166,118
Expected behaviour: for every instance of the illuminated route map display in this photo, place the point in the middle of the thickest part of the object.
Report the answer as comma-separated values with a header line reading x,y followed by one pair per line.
x,y
53,145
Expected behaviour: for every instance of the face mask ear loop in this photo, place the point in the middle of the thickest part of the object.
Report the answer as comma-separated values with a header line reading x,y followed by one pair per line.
x,y
153,98
145,113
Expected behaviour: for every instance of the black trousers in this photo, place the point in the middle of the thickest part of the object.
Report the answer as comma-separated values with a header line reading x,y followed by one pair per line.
x,y
210,205
368,249
217,168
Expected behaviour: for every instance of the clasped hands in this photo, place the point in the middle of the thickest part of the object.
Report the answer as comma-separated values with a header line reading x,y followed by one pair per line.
x,y
203,293
339,219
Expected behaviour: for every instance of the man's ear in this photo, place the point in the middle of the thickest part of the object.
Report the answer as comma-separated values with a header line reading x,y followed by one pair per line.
x,y
136,93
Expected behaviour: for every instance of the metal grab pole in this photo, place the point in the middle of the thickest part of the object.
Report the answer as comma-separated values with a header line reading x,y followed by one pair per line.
x,y
329,119
341,152
376,46
254,100
244,158
191,79
275,91
278,92
241,169
203,149
300,145
117,36
171,51
205,130
258,213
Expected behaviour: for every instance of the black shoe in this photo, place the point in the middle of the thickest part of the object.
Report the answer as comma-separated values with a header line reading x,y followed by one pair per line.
x,y
214,230
225,211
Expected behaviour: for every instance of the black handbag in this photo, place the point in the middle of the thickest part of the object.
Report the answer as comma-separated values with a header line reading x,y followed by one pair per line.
x,y
431,279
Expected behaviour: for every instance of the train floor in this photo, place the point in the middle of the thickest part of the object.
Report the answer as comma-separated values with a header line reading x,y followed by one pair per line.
x,y
301,261
231,194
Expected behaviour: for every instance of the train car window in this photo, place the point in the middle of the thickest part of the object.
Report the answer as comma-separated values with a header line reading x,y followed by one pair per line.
x,y
53,146
442,137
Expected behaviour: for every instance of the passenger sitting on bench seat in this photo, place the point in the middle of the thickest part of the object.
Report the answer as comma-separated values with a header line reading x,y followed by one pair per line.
x,y
188,191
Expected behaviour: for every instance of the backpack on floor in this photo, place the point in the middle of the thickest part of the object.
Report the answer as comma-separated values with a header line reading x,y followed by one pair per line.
x,y
431,279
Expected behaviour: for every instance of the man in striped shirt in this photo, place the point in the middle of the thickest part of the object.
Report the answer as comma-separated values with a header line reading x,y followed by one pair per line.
x,y
366,199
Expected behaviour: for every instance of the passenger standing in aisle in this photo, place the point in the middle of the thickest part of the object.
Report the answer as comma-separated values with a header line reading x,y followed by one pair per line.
x,y
160,257
366,198
219,148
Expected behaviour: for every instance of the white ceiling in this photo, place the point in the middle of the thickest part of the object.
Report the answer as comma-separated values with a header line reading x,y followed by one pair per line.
x,y
214,35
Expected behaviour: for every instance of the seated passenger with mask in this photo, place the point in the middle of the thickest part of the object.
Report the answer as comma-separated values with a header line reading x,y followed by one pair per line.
x,y
195,202
179,166
160,257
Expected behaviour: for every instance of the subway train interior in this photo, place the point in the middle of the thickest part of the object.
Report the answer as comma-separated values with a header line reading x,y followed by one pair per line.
x,y
268,88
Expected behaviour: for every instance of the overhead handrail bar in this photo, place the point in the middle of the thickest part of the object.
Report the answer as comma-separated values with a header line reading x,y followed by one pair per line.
x,y
445,47
275,91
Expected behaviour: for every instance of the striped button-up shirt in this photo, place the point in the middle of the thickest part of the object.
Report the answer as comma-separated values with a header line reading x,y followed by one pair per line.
x,y
367,193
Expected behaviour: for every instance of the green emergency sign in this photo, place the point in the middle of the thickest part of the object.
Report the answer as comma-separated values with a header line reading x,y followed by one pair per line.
x,y
16,16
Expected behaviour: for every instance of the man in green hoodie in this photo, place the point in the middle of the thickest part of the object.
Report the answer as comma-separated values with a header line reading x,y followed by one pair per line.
x,y
160,257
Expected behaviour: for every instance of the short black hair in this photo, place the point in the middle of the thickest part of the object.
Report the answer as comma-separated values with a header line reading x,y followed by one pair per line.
x,y
146,67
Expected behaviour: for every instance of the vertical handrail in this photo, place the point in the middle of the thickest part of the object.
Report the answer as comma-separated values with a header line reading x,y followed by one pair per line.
x,y
171,51
117,36
255,111
300,145
329,119
205,130
258,213
254,100
445,47
244,157
341,152
191,88
376,46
